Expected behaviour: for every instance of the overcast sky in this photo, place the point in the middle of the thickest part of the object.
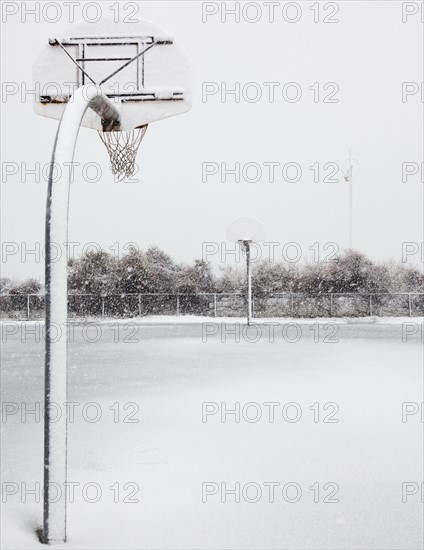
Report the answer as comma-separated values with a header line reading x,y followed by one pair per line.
x,y
368,54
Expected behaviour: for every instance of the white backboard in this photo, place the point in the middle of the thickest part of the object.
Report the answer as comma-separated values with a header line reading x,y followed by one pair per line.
x,y
153,85
246,228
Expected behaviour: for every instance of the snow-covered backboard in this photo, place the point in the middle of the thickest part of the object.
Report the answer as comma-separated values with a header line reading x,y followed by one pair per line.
x,y
246,228
139,66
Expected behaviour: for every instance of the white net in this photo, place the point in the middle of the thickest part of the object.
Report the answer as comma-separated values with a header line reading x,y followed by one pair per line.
x,y
122,148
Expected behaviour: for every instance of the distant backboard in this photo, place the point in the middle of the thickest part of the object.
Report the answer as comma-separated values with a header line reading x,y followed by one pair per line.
x,y
138,66
350,168
246,228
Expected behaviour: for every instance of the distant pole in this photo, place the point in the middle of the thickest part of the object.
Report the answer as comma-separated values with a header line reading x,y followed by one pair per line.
x,y
249,282
350,180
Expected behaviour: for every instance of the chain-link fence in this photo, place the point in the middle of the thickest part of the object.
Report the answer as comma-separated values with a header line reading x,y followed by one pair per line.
x,y
339,305
32,306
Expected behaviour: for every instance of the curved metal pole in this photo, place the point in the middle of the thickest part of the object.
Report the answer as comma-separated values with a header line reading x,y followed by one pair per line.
x,y
55,421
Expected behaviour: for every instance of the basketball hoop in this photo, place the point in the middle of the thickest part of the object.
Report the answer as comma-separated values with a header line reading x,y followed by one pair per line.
x,y
122,148
116,81
246,230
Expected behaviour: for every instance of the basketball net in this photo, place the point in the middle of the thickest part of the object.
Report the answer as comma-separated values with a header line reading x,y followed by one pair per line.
x,y
122,148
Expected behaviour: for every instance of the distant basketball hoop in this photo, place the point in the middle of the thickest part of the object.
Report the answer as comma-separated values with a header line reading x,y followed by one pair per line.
x,y
246,230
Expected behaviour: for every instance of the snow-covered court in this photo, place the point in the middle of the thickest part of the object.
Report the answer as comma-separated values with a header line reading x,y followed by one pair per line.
x,y
208,435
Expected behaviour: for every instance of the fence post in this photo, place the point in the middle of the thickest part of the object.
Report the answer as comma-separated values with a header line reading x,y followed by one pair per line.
x,y
331,305
178,304
292,304
409,305
103,307
139,305
370,305
28,312
214,304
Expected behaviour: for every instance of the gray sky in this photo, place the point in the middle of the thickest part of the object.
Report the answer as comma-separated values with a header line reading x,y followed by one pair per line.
x,y
369,53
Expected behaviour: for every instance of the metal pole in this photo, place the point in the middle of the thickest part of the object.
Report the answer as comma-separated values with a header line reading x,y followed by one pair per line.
x,y
350,201
370,305
55,390
103,307
249,283
139,305
410,305
214,304
178,304
28,307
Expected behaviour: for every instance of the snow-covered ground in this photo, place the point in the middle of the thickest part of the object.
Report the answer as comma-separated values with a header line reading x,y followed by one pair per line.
x,y
159,319
345,476
198,319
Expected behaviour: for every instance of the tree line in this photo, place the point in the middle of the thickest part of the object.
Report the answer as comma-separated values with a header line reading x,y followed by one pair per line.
x,y
153,271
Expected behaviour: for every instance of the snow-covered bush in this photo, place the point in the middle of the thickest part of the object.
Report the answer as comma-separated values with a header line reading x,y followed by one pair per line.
x,y
30,286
